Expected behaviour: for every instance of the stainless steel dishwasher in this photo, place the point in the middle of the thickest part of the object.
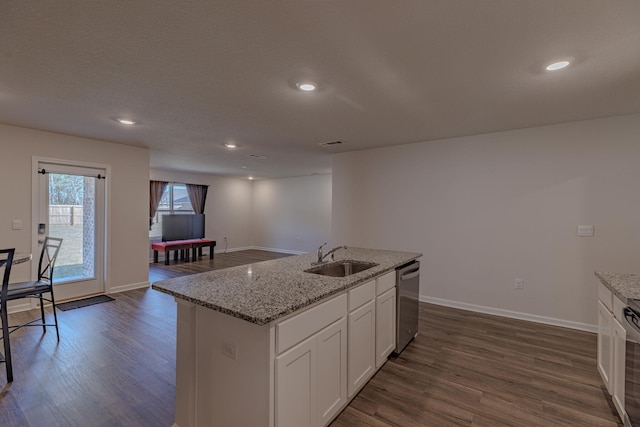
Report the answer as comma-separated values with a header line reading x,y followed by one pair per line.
x,y
407,290
632,364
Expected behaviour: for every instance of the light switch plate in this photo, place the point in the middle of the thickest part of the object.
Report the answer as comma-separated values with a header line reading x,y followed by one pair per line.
x,y
585,231
16,224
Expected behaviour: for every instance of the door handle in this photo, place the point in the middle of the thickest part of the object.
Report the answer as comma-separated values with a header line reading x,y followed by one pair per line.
x,y
410,275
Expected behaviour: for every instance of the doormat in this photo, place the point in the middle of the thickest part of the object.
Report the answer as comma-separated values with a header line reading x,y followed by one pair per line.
x,y
65,306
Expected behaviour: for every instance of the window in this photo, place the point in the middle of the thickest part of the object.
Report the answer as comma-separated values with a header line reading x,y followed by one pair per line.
x,y
175,200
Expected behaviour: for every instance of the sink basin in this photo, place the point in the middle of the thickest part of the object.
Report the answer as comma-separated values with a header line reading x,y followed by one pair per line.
x,y
341,268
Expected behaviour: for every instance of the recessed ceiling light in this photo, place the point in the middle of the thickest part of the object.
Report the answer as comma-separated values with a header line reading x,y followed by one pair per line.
x,y
557,65
306,86
230,145
251,178
243,167
126,121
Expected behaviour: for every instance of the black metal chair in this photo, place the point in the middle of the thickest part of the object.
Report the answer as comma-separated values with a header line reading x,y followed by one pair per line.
x,y
37,289
6,261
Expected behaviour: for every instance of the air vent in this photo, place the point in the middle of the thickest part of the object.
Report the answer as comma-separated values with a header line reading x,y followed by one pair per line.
x,y
329,143
257,156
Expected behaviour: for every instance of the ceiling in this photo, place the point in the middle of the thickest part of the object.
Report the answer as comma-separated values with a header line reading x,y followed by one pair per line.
x,y
198,74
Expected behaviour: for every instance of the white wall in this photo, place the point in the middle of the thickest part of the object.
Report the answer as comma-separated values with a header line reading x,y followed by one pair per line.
x,y
292,214
228,207
487,209
127,197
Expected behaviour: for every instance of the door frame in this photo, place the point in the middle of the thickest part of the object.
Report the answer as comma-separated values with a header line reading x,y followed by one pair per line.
x,y
35,215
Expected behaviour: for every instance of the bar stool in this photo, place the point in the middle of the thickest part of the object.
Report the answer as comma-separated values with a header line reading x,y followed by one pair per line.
x,y
37,288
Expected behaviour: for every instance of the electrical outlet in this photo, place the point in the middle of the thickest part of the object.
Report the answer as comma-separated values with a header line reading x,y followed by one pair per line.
x,y
229,349
519,284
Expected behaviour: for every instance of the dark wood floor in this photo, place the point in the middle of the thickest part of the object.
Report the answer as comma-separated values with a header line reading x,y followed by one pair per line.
x,y
472,369
115,366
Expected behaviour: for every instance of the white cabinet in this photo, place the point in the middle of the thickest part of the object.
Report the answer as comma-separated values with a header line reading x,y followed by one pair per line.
x,y
324,355
362,341
332,371
619,345
612,346
296,379
605,344
311,377
385,326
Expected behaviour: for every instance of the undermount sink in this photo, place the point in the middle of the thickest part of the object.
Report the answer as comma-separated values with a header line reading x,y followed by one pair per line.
x,y
341,268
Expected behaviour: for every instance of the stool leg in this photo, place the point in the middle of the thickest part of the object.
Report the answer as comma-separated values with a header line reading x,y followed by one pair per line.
x,y
155,257
44,328
55,316
7,343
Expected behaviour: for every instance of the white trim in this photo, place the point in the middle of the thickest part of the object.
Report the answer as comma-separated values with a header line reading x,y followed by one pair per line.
x,y
259,248
221,251
35,216
284,251
16,308
129,287
511,314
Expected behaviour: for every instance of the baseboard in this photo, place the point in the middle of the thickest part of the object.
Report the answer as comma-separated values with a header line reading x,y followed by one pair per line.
x,y
283,251
129,287
240,248
511,314
16,308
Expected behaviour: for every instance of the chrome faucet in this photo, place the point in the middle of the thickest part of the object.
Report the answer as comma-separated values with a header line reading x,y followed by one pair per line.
x,y
322,257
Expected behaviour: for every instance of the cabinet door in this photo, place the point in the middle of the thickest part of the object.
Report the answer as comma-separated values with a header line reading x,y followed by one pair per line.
x,y
619,354
361,347
605,345
332,370
295,384
385,326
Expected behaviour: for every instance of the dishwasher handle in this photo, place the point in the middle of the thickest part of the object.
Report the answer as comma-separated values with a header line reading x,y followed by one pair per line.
x,y
410,274
633,321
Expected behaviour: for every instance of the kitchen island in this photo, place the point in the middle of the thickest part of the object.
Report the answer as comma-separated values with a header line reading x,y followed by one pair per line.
x,y
268,344
623,285
616,291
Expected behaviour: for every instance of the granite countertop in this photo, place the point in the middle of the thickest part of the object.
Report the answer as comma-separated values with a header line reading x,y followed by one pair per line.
x,y
266,291
623,285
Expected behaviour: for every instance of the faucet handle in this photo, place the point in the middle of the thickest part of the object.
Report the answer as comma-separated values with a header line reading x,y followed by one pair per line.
x,y
320,252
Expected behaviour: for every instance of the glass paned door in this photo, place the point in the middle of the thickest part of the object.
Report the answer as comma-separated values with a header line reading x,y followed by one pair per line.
x,y
72,211
72,208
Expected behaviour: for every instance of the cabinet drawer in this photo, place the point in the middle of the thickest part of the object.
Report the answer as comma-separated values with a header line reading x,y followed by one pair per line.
x,y
386,282
606,296
305,324
362,295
